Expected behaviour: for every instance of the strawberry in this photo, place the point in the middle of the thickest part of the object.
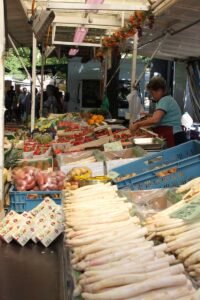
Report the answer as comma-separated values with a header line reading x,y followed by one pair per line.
x,y
37,151
57,151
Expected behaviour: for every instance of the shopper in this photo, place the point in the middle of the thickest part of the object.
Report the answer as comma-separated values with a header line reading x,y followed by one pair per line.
x,y
16,105
9,103
65,102
21,101
166,120
37,104
59,99
27,106
51,104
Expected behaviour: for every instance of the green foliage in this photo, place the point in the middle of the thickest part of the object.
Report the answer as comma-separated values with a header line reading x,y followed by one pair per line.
x,y
11,157
56,60
14,67
13,64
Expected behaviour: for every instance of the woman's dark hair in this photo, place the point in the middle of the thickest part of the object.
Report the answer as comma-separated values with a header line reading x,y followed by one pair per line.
x,y
157,83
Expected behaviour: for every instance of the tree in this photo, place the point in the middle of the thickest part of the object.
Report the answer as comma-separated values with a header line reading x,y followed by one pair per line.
x,y
13,64
14,67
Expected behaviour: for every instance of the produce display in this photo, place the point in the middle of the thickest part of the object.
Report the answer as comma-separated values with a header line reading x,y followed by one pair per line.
x,y
79,173
42,138
110,250
42,149
116,251
30,178
7,144
43,224
44,164
179,226
95,119
29,148
12,157
74,176
78,157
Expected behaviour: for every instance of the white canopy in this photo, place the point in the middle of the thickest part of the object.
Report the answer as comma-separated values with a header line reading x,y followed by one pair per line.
x,y
105,18
182,22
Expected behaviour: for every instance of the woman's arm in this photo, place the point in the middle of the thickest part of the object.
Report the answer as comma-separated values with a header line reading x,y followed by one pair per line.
x,y
157,116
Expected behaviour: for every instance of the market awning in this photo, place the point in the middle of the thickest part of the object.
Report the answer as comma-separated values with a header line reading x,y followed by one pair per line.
x,y
17,23
181,22
171,16
98,19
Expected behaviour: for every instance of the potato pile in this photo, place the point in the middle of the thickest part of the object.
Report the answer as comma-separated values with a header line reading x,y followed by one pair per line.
x,y
79,173
30,178
73,177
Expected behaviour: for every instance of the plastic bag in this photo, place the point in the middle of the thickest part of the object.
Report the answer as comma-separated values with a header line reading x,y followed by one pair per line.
x,y
105,103
147,202
186,120
135,106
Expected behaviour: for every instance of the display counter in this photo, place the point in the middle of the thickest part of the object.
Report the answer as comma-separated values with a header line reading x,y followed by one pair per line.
x,y
33,272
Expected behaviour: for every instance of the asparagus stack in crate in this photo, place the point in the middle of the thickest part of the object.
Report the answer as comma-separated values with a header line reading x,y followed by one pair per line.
x,y
108,246
179,225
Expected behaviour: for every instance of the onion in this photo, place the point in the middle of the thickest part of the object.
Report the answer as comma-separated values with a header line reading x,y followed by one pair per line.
x,y
20,182
31,185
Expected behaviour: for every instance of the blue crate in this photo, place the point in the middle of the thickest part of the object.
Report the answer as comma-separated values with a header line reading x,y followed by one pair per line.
x,y
20,202
186,170
160,159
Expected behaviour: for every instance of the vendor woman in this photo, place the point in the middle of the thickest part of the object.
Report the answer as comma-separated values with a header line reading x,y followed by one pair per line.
x,y
166,120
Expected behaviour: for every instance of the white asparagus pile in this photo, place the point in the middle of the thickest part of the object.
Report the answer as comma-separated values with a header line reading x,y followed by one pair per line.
x,y
109,247
182,238
190,189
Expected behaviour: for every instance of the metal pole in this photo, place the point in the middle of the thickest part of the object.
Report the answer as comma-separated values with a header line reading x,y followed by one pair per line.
x,y
134,62
2,108
122,60
42,81
152,56
105,72
18,56
33,83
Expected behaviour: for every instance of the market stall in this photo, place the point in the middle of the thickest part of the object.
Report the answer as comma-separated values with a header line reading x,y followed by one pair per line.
x,y
110,223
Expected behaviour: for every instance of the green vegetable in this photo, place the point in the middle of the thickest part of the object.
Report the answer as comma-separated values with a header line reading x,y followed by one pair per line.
x,y
11,158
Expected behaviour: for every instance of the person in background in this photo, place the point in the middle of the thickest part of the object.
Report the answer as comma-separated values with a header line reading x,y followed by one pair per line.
x,y
16,105
21,101
27,106
28,103
37,104
9,103
50,105
166,120
59,99
65,102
